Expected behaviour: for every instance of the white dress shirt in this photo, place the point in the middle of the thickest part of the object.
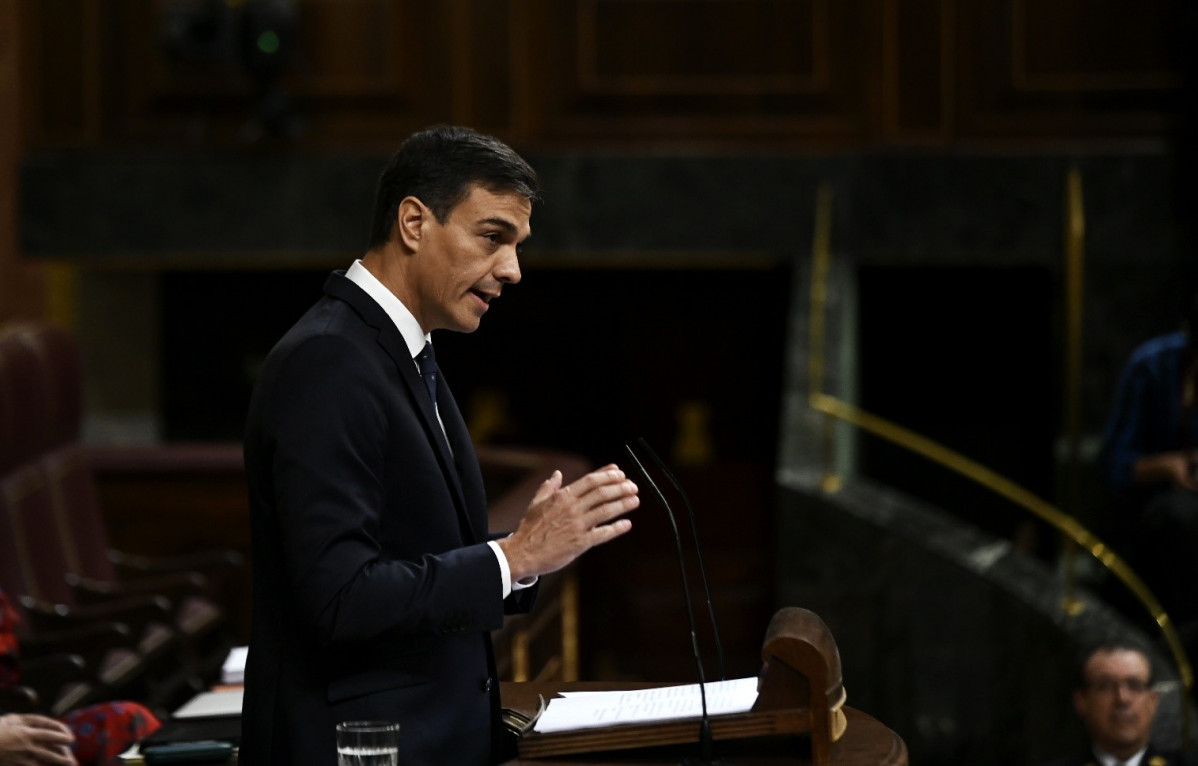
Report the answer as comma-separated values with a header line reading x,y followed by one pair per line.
x,y
1106,759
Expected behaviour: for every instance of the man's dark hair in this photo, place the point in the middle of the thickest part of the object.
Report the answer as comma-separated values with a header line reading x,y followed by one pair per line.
x,y
437,167
1109,645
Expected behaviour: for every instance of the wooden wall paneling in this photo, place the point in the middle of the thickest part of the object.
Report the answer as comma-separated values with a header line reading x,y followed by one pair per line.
x,y
385,72
919,40
20,281
527,29
700,69
1067,68
61,69
363,70
482,57
462,65
158,99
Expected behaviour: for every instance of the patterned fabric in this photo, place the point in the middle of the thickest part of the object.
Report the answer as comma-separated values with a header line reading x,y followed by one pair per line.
x,y
103,731
10,654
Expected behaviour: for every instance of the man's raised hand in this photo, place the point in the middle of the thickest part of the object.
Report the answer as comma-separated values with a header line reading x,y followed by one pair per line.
x,y
562,523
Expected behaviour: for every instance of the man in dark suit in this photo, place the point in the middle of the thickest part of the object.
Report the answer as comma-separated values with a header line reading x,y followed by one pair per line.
x,y
1116,701
375,583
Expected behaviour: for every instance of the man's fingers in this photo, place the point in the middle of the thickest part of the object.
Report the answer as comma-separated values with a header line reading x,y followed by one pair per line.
x,y
548,487
53,756
604,532
609,474
616,506
47,724
603,490
608,493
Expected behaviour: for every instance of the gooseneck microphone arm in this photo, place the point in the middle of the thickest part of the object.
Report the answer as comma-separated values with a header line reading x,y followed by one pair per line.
x,y
690,512
705,726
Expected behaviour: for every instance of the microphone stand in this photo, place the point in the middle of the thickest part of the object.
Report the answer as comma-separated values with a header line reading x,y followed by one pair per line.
x,y
690,512
705,739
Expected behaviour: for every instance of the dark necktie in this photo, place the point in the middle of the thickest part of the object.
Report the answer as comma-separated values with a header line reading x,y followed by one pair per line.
x,y
427,362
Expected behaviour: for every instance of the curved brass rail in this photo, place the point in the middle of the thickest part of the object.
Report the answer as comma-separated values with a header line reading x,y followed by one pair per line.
x,y
1020,496
1066,524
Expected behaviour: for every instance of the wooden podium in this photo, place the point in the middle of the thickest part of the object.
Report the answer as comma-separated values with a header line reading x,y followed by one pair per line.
x,y
799,715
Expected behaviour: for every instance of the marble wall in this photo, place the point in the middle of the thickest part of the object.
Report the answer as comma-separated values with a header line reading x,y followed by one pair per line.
x,y
135,214
955,640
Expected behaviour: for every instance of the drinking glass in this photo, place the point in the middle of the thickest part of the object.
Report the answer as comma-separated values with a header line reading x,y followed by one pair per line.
x,y
367,743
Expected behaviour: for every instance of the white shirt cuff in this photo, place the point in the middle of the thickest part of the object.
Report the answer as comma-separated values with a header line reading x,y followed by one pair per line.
x,y
505,573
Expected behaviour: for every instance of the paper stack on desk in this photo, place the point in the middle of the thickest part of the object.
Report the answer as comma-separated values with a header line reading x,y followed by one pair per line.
x,y
586,710
233,671
211,704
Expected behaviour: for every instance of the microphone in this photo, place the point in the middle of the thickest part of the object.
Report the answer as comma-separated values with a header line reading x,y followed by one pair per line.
x,y
705,739
690,512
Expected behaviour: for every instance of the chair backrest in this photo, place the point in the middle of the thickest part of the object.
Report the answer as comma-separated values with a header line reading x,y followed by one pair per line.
x,y
56,353
14,571
10,455
25,402
75,503
35,535
54,518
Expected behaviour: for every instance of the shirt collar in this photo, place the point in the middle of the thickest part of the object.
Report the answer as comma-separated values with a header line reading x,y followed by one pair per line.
x,y
405,322
1106,759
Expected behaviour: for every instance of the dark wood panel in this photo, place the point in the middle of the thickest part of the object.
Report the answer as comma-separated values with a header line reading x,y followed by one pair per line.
x,y
918,50
353,48
61,64
356,69
480,58
667,48
20,281
1066,68
1071,45
584,72
701,69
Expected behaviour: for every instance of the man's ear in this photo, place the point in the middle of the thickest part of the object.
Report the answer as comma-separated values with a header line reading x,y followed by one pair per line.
x,y
1079,703
410,219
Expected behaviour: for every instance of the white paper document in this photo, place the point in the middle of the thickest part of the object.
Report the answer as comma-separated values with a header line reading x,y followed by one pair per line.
x,y
207,704
588,710
233,670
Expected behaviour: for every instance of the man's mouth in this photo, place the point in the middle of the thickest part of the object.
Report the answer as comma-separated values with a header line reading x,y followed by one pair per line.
x,y
484,296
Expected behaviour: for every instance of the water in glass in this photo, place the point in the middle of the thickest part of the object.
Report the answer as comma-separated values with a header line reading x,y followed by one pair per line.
x,y
367,756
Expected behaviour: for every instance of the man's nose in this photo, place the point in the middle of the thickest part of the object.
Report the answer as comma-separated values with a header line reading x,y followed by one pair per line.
x,y
508,268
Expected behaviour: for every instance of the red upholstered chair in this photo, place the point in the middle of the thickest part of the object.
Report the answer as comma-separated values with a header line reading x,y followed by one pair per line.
x,y
137,642
23,404
32,527
90,565
106,663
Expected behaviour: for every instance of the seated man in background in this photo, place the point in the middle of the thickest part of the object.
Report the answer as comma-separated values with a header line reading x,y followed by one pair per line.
x,y
1148,459
1115,699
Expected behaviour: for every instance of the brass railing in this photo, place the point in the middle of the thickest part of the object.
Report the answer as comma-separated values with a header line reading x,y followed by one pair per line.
x,y
1073,531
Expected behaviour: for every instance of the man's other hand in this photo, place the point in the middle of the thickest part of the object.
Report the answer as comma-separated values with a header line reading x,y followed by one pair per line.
x,y
562,523
1175,468
35,740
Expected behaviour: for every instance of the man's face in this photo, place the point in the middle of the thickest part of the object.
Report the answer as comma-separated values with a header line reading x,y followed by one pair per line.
x,y
463,264
1117,704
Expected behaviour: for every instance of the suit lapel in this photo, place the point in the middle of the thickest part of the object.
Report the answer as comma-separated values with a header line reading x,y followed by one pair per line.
x,y
464,457
392,342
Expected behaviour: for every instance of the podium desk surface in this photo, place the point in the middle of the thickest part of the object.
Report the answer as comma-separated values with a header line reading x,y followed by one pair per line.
x,y
866,740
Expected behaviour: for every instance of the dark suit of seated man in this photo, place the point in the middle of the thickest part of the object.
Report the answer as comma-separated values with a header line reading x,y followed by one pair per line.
x,y
375,581
1115,699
